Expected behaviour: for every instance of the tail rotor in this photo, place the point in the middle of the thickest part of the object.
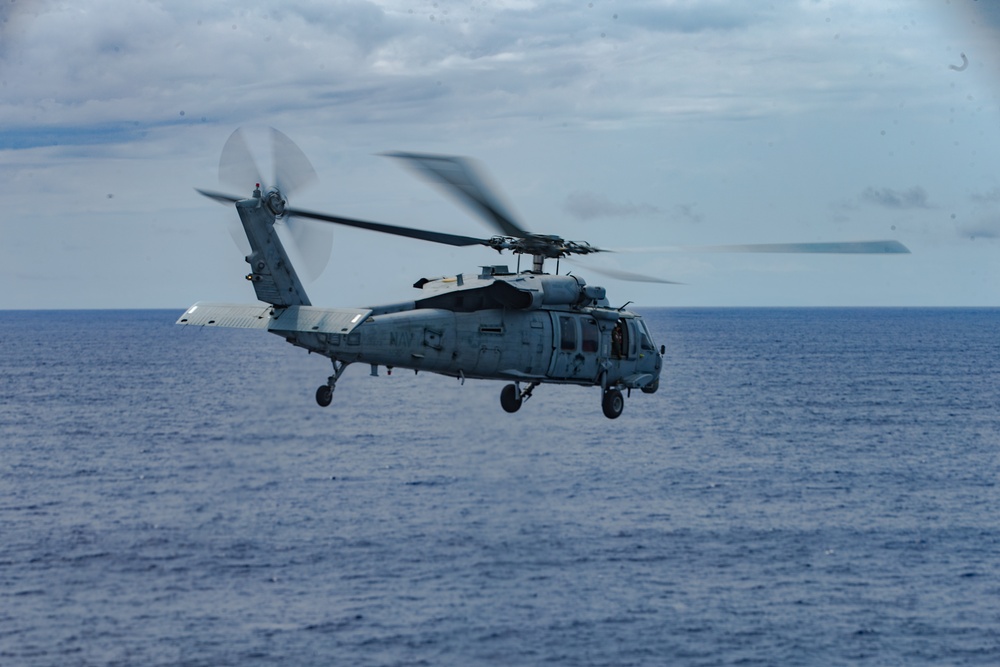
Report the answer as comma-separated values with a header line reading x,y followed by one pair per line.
x,y
311,243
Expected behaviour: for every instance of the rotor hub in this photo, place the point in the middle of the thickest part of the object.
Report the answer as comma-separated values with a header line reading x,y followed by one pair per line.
x,y
274,202
541,245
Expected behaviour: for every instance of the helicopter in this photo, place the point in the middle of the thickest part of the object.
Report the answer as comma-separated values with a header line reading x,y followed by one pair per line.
x,y
527,328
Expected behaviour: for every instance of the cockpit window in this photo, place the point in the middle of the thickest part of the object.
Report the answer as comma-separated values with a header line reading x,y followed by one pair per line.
x,y
644,338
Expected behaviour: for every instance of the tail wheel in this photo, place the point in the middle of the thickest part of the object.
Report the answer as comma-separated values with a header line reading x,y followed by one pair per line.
x,y
613,403
324,395
509,398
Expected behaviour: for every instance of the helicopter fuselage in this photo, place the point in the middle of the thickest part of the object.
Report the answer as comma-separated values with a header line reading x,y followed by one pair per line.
x,y
585,346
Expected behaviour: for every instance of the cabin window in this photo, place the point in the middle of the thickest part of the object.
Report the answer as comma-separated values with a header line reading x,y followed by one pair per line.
x,y
591,335
567,331
619,340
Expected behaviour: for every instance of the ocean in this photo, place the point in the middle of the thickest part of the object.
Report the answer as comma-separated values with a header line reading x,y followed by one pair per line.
x,y
807,487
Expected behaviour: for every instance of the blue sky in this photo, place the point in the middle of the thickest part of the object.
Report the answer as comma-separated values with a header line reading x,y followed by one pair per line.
x,y
624,124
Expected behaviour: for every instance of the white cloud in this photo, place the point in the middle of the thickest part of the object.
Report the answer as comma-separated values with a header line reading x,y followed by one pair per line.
x,y
914,197
587,206
88,66
985,228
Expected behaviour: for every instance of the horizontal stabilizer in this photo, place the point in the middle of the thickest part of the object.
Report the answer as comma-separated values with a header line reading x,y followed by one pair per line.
x,y
238,315
292,318
321,320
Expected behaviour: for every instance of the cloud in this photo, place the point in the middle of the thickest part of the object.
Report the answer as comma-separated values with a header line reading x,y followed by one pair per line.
x,y
985,14
693,17
987,212
986,198
587,206
73,69
915,197
686,213
985,228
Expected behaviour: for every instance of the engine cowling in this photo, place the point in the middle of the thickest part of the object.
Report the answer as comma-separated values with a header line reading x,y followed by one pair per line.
x,y
530,292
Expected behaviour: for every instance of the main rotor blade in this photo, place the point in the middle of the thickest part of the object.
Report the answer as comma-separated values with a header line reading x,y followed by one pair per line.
x,y
409,232
840,248
459,178
220,197
622,275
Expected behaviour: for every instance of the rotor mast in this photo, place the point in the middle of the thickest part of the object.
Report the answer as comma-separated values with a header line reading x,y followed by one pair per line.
x,y
538,263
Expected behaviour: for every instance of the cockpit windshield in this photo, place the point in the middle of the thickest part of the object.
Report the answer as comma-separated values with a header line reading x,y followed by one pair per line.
x,y
645,340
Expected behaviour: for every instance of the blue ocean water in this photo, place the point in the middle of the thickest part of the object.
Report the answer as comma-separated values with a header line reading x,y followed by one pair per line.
x,y
808,487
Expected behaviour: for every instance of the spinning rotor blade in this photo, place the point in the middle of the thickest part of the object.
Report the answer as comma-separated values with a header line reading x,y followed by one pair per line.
x,y
313,243
237,168
848,247
233,226
623,275
292,172
459,178
292,169
220,197
409,232
840,248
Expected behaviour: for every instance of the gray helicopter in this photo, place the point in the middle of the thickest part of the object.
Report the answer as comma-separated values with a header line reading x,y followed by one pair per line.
x,y
524,327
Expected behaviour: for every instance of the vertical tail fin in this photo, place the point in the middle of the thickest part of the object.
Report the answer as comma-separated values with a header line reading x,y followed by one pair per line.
x,y
271,272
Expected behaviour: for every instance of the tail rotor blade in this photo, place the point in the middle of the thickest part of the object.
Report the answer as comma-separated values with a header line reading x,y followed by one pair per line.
x,y
292,169
233,225
312,242
237,167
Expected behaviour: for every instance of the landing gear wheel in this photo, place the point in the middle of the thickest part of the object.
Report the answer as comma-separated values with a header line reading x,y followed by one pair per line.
x,y
651,387
324,395
509,399
613,403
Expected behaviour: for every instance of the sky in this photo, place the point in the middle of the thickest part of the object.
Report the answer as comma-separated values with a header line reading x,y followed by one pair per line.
x,y
622,123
